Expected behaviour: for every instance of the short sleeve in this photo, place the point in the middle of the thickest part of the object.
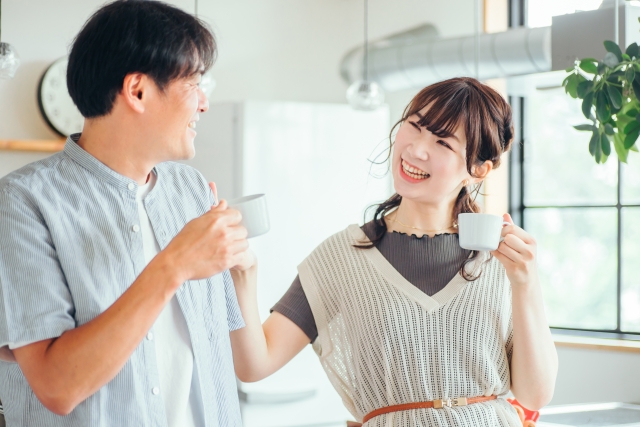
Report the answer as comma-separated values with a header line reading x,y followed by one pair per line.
x,y
295,306
234,315
35,302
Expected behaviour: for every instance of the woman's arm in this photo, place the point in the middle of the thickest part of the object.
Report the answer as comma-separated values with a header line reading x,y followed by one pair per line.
x,y
534,363
259,350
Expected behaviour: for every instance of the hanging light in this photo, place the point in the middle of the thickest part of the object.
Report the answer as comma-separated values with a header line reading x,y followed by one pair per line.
x,y
207,83
9,59
364,94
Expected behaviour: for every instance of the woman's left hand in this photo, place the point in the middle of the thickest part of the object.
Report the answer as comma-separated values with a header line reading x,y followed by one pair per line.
x,y
517,253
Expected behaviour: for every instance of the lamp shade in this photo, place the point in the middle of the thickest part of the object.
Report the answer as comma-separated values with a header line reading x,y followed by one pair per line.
x,y
365,95
9,61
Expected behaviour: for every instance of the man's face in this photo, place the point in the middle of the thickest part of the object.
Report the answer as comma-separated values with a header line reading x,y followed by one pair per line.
x,y
173,114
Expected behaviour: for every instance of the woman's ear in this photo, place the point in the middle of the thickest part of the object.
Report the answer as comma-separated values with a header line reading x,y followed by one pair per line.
x,y
481,172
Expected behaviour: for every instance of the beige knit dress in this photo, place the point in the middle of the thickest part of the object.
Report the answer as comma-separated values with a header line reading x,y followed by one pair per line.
x,y
384,342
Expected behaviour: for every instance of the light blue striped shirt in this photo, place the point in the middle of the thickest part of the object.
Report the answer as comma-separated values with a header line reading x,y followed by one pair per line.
x,y
69,247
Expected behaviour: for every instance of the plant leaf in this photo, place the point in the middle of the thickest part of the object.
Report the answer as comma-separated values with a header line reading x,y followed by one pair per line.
x,y
603,111
615,96
618,145
586,105
630,74
632,50
588,127
611,60
588,66
632,113
583,88
634,148
601,68
631,138
631,127
598,150
572,86
606,144
595,138
608,129
636,87
626,57
613,48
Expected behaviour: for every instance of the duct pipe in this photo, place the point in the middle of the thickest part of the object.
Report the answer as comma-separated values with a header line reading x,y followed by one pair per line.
x,y
424,60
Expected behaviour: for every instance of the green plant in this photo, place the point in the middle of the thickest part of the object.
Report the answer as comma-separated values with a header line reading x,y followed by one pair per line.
x,y
610,93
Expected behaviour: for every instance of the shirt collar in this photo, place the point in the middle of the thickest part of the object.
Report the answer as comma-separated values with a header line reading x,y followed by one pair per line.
x,y
96,167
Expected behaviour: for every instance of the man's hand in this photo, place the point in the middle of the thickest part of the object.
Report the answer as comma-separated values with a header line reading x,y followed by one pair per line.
x,y
208,245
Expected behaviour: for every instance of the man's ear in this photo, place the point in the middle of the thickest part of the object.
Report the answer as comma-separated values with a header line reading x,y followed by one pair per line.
x,y
481,172
134,88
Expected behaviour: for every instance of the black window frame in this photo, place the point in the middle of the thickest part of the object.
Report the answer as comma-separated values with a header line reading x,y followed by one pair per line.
x,y
517,17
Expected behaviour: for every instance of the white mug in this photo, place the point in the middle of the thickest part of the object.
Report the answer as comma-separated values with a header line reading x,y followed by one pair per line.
x,y
255,216
480,232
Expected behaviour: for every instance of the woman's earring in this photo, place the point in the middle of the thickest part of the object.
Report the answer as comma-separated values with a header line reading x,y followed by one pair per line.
x,y
465,182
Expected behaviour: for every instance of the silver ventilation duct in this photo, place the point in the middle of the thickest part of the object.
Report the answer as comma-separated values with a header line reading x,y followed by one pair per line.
x,y
417,57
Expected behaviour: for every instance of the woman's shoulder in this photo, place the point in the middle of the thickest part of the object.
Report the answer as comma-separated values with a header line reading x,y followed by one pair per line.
x,y
340,243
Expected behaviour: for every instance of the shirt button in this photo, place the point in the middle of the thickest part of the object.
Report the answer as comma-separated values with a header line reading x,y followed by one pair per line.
x,y
150,336
131,186
155,391
135,228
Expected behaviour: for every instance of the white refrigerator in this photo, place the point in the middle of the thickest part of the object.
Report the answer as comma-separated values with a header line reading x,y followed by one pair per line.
x,y
313,161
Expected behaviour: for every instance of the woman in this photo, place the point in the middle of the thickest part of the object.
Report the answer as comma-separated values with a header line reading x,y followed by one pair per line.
x,y
397,312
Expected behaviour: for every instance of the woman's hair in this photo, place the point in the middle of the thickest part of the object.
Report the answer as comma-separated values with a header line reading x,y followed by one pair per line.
x,y
486,120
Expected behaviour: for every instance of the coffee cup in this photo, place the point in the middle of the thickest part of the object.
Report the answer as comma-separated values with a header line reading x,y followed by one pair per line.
x,y
480,232
255,216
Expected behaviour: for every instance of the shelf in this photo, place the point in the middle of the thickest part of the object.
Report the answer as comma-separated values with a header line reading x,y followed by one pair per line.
x,y
42,145
596,343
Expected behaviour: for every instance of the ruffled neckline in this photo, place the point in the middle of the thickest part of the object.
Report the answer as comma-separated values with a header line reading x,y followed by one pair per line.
x,y
421,237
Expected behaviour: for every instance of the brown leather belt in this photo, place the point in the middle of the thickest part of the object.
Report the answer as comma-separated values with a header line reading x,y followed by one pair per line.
x,y
436,404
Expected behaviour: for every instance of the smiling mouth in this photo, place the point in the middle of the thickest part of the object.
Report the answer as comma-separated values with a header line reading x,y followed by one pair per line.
x,y
413,172
192,124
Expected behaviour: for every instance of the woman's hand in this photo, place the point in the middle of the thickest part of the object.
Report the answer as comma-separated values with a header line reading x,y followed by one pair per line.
x,y
534,362
247,258
517,253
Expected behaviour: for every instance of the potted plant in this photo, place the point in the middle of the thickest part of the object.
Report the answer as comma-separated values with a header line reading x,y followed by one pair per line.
x,y
610,94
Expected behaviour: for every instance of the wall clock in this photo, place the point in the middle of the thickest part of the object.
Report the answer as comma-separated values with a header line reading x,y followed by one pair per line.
x,y
56,106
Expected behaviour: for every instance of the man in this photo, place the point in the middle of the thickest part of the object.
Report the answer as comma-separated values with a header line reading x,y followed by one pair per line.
x,y
116,298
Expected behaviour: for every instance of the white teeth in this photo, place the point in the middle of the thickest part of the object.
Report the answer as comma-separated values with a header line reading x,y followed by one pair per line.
x,y
413,172
192,125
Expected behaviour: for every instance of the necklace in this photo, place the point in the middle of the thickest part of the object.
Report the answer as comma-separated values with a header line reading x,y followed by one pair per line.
x,y
454,225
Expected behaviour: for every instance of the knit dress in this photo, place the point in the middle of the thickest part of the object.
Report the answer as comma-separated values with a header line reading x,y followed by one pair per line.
x,y
384,342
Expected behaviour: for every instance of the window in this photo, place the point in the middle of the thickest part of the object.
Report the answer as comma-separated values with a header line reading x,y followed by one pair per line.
x,y
585,217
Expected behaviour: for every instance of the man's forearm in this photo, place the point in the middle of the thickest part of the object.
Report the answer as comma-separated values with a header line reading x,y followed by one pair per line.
x,y
78,363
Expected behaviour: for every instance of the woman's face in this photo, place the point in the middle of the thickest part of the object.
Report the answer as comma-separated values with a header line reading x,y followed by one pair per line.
x,y
427,168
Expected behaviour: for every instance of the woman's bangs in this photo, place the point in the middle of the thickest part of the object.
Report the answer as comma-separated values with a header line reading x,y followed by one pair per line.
x,y
444,113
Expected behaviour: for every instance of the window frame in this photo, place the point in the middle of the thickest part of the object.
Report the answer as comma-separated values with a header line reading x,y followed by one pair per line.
x,y
517,208
518,17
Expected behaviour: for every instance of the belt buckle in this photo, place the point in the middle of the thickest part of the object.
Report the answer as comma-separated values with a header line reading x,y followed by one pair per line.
x,y
441,403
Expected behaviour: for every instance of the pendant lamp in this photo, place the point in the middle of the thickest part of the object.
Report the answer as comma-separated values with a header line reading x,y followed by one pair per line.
x,y
9,59
365,95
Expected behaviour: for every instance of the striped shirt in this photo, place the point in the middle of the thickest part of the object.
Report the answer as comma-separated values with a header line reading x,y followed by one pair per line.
x,y
70,246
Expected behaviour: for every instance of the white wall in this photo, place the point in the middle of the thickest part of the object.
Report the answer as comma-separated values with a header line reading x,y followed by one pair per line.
x,y
597,376
275,50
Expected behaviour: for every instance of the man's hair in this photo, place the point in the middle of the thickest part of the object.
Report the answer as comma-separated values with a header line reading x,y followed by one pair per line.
x,y
129,36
